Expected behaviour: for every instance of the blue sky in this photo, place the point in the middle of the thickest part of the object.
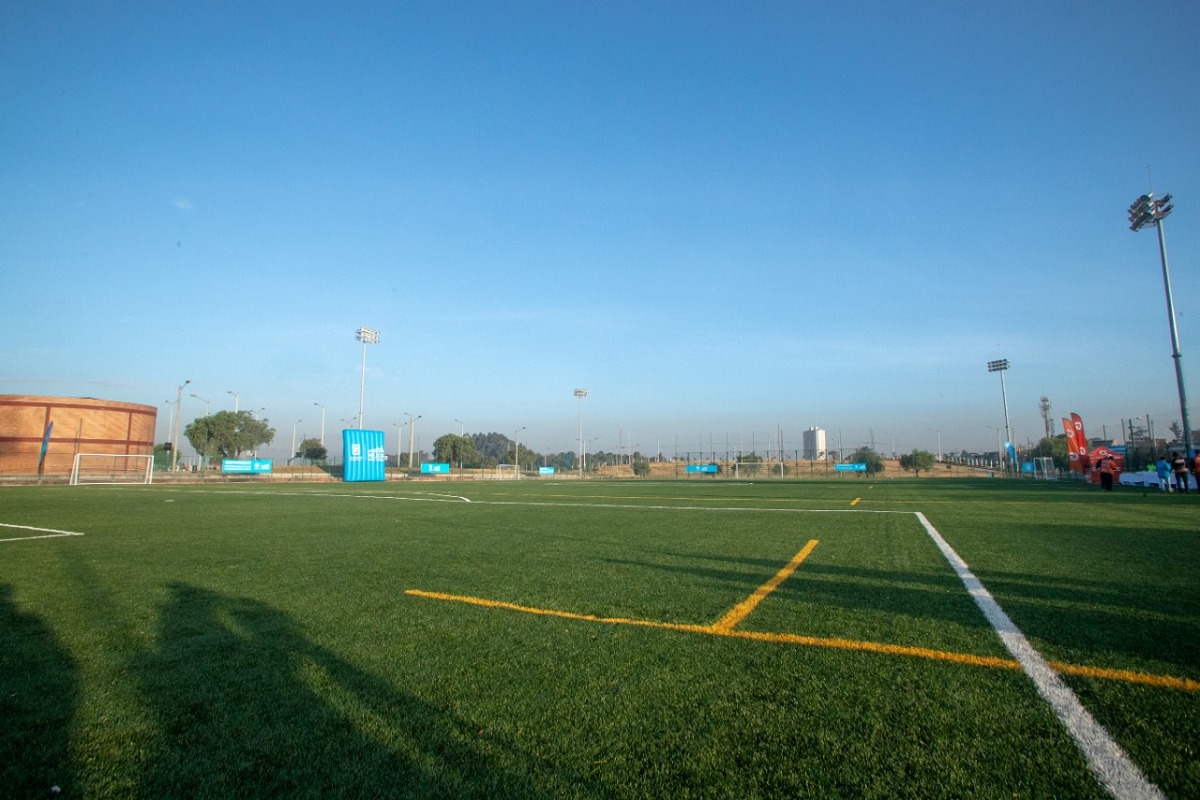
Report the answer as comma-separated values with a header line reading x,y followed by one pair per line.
x,y
722,219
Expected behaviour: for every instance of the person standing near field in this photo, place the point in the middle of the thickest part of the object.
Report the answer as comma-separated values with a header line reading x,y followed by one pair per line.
x,y
1179,466
1108,468
1163,470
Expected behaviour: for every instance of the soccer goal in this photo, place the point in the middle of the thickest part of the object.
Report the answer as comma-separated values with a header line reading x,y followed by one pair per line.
x,y
111,468
507,472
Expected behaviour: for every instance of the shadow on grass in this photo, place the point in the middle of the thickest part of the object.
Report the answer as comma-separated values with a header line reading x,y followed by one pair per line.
x,y
39,688
246,705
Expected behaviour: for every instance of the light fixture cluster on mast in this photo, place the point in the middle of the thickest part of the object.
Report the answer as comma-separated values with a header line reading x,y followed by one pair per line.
x,y
1149,210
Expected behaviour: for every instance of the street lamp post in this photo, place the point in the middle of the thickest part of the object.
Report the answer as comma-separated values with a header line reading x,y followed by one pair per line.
x,y
206,414
581,393
1147,210
322,423
175,433
206,405
1001,365
292,455
236,399
366,336
517,450
411,424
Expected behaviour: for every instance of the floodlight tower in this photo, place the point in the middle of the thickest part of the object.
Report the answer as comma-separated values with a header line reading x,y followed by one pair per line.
x,y
1001,365
366,336
1146,210
581,393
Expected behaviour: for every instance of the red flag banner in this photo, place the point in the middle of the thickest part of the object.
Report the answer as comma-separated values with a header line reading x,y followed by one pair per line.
x,y
1080,436
1072,445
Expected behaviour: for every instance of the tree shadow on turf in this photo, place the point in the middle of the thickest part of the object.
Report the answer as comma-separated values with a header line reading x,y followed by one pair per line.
x,y
39,687
246,705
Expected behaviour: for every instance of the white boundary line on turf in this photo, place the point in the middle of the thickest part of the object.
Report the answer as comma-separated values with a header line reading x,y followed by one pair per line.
x,y
49,533
1107,760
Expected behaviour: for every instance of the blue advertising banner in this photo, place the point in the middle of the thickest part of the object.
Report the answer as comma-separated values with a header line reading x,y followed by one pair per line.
x,y
363,457
856,467
545,470
435,469
702,468
246,466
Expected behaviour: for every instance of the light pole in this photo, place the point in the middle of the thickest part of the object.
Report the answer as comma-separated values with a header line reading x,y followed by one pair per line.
x,y
205,399
175,433
236,399
292,455
412,422
939,442
517,451
206,414
1146,210
322,423
399,441
462,427
1001,365
366,336
581,393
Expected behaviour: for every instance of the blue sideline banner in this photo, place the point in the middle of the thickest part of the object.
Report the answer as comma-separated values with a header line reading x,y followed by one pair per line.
x,y
858,466
435,469
246,466
703,468
363,456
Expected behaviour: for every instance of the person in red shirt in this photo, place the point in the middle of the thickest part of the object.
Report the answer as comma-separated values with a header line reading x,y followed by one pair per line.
x,y
1108,468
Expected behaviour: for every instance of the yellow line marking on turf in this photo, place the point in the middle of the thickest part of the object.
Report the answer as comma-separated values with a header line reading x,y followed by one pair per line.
x,y
1128,676
882,648
743,609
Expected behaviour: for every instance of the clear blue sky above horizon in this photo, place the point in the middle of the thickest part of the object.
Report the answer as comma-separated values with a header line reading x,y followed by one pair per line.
x,y
720,218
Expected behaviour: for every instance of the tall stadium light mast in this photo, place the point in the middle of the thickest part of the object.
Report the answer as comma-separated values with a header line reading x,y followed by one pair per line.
x,y
581,393
236,399
1001,366
1147,210
366,336
175,433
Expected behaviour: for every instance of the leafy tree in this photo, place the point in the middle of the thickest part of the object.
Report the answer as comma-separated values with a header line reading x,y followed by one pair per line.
x,y
228,434
312,450
641,466
865,455
918,460
496,446
1056,448
453,449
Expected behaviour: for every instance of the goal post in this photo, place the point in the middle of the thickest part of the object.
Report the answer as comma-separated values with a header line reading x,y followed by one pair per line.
x,y
112,468
507,472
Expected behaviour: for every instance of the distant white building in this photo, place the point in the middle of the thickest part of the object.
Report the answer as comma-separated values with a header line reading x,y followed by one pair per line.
x,y
814,444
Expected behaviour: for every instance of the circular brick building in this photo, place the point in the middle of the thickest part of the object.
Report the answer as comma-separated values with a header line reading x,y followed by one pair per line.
x,y
76,425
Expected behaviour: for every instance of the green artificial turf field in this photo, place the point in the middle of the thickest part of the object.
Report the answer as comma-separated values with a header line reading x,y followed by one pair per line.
x,y
591,639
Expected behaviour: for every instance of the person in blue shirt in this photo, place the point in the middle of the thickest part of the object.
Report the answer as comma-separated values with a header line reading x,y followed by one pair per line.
x,y
1164,474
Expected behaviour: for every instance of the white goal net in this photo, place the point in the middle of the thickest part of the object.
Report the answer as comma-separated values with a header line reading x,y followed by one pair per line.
x,y
507,472
110,468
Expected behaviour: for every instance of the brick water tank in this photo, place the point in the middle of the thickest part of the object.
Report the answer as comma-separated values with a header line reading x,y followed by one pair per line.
x,y
80,425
